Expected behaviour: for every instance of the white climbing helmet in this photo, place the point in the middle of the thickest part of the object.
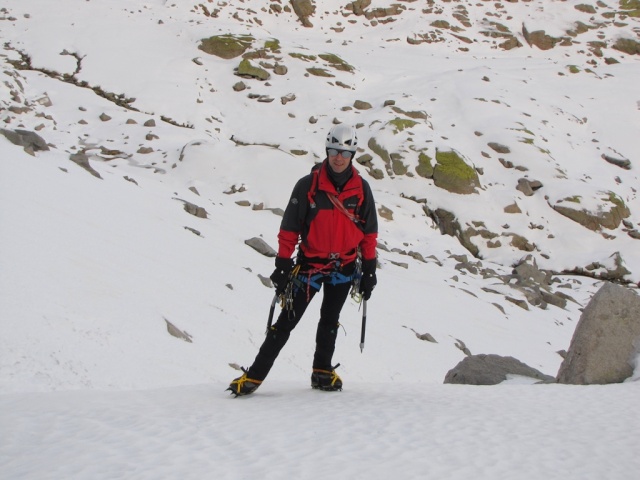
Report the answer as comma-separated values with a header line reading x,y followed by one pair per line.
x,y
342,137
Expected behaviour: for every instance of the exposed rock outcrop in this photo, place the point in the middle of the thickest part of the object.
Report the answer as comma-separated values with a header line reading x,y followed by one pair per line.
x,y
452,173
30,141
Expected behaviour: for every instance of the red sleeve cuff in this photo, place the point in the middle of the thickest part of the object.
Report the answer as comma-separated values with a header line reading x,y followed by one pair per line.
x,y
287,242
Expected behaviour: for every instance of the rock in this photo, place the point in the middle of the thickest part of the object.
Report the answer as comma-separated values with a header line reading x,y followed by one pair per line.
x,y
527,272
490,370
385,212
513,208
606,340
499,148
176,332
425,167
528,187
539,39
280,70
452,173
520,242
226,46
239,86
260,246
358,6
609,213
82,159
31,141
524,187
290,97
618,162
304,9
362,105
516,301
194,210
628,46
245,69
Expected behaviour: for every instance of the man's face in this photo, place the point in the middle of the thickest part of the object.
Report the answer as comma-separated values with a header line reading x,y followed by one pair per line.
x,y
339,160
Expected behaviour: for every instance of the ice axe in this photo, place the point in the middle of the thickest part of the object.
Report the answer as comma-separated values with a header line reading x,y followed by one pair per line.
x,y
271,310
364,324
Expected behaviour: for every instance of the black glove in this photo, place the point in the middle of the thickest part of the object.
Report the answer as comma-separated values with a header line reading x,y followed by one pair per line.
x,y
368,280
280,276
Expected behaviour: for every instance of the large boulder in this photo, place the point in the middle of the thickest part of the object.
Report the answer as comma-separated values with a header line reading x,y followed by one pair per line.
x,y
606,340
490,370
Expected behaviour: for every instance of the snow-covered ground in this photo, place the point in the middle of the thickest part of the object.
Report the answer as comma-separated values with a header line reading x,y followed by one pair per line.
x,y
368,431
92,269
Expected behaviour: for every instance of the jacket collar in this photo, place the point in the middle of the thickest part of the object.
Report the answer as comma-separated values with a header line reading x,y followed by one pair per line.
x,y
326,185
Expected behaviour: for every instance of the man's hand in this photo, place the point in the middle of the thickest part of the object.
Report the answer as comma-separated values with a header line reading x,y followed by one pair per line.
x,y
280,276
368,280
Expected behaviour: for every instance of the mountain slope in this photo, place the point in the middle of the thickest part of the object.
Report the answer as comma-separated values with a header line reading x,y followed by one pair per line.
x,y
96,260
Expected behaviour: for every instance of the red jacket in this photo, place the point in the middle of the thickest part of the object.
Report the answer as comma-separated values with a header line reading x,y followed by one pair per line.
x,y
324,231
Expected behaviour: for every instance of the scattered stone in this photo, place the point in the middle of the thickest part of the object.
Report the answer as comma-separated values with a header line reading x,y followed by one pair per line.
x,y
260,246
385,213
361,105
246,69
194,210
176,332
516,301
280,70
618,162
82,160
499,148
513,208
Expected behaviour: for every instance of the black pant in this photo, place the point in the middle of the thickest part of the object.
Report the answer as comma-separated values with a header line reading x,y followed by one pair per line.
x,y
332,303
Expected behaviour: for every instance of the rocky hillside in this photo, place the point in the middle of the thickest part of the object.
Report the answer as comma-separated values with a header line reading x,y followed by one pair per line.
x,y
527,109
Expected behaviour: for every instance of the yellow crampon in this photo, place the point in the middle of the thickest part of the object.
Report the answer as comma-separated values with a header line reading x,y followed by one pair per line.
x,y
243,385
335,382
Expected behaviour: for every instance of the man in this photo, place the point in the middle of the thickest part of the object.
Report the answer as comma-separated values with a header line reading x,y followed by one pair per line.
x,y
331,218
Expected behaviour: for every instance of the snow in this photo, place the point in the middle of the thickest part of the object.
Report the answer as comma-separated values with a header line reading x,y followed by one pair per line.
x,y
91,270
415,431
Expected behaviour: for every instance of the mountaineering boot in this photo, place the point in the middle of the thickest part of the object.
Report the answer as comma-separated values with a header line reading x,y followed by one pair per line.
x,y
327,380
243,385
